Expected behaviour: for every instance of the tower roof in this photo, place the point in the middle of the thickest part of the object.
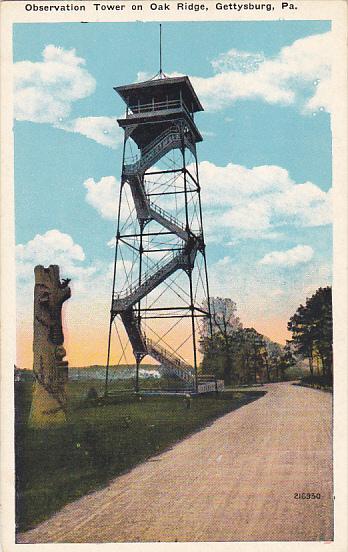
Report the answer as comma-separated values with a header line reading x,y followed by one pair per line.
x,y
160,89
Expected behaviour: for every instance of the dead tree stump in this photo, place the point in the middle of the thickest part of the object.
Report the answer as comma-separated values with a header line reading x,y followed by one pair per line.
x,y
51,371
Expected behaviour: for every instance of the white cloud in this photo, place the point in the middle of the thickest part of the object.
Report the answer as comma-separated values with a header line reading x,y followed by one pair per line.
x,y
45,90
248,218
236,60
227,185
56,247
208,133
53,247
307,203
258,202
103,130
45,248
238,202
300,74
143,76
290,257
103,196
111,243
321,99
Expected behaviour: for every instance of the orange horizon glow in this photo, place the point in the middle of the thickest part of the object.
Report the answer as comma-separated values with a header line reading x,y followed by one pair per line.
x,y
86,345
275,329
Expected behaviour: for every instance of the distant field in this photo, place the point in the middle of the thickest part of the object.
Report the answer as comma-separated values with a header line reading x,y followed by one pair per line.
x,y
97,371
57,465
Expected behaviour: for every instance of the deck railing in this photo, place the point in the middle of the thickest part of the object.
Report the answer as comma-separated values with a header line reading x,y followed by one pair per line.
x,y
154,106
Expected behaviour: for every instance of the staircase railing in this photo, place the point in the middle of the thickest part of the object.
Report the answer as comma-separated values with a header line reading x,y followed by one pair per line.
x,y
133,286
155,150
151,279
165,356
152,151
159,138
164,214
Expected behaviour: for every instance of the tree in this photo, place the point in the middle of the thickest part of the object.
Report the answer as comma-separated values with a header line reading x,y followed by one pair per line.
x,y
287,359
311,328
320,309
237,354
218,338
274,355
302,336
254,354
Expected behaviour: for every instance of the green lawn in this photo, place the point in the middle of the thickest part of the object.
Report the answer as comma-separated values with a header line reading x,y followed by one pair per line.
x,y
57,465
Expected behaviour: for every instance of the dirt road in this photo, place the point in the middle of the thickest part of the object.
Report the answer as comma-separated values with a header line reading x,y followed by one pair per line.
x,y
233,481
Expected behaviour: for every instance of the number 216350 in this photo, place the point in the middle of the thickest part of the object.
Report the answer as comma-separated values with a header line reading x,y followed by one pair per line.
x,y
307,496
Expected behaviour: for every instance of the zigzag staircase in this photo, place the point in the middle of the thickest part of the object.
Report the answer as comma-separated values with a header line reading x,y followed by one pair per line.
x,y
170,362
153,152
153,278
124,302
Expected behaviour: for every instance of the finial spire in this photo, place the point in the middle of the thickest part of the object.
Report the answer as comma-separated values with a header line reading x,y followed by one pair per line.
x,y
160,74
160,50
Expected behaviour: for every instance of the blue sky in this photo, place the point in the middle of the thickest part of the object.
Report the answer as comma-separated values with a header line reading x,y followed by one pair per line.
x,y
265,161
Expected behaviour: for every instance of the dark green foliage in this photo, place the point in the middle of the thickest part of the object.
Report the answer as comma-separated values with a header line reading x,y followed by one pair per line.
x,y
55,466
295,373
239,355
324,382
218,339
287,360
311,328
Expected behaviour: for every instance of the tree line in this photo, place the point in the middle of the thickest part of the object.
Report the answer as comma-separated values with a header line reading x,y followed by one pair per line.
x,y
240,355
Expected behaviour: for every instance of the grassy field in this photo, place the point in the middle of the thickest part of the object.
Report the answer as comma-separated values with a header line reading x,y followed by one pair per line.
x,y
57,465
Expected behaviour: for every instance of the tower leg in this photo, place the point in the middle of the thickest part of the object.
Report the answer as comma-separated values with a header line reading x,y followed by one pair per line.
x,y
137,366
108,360
194,344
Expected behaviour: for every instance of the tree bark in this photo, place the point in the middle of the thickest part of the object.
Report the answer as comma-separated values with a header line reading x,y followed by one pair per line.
x,y
310,359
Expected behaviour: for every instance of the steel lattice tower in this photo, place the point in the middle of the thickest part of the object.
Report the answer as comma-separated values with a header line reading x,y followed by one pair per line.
x,y
160,285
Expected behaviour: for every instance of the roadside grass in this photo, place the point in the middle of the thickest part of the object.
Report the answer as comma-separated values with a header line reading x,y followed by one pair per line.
x,y
317,382
57,465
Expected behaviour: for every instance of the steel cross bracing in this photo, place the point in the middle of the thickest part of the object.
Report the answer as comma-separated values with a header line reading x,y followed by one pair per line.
x,y
180,256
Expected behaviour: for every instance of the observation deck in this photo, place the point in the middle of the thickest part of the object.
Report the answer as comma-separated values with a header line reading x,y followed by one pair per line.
x,y
159,101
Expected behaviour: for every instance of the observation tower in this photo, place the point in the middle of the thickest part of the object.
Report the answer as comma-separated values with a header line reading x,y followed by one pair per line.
x,y
160,293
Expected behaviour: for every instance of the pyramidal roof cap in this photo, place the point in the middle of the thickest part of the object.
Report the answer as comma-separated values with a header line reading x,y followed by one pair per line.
x,y
138,90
